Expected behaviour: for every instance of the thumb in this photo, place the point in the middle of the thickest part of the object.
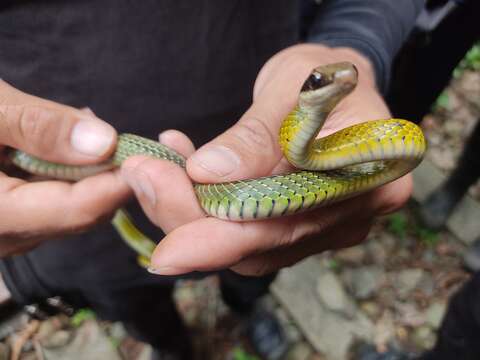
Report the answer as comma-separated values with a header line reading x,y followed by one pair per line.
x,y
52,131
250,148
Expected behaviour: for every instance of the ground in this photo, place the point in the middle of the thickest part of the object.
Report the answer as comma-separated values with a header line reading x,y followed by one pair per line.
x,y
392,290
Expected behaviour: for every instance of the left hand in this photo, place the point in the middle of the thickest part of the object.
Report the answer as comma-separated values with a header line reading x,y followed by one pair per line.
x,y
248,150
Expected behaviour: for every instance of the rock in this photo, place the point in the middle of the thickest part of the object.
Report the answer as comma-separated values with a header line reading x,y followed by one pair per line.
x,y
435,313
424,337
409,315
370,308
332,294
384,331
89,342
377,252
117,330
49,327
352,255
57,339
146,353
4,351
429,256
363,282
406,281
268,303
329,332
300,351
291,330
427,285
12,324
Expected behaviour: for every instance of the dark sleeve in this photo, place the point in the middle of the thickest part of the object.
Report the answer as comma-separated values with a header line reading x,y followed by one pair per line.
x,y
376,28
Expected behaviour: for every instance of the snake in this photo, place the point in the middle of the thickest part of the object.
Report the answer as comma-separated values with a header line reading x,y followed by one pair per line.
x,y
342,165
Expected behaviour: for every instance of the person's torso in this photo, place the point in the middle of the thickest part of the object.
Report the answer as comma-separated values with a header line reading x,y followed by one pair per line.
x,y
147,65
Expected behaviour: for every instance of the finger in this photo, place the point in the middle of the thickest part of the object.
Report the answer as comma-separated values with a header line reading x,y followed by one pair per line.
x,y
178,141
32,210
88,111
197,245
52,131
392,196
339,237
250,148
164,191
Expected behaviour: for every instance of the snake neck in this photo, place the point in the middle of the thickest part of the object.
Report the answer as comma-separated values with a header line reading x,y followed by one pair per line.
x,y
298,133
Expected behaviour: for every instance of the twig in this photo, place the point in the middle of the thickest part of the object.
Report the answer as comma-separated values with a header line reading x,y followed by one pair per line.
x,y
22,338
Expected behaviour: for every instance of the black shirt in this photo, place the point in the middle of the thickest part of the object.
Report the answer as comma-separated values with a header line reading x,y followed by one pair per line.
x,y
149,65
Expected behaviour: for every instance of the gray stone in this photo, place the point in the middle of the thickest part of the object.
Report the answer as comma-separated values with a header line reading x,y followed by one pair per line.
x,y
57,339
332,294
49,327
435,313
4,351
384,331
329,332
352,255
424,337
370,308
291,330
300,351
146,353
409,315
427,285
13,323
117,331
464,220
89,342
377,252
407,280
363,282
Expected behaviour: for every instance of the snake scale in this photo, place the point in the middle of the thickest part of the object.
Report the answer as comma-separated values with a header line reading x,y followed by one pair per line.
x,y
344,164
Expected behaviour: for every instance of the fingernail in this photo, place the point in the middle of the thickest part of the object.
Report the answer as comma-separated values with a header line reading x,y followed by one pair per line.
x,y
92,137
140,183
166,270
218,160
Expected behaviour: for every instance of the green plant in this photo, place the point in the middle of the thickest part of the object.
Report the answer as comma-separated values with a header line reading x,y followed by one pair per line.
x,y
240,354
398,225
427,236
442,102
81,316
334,265
471,61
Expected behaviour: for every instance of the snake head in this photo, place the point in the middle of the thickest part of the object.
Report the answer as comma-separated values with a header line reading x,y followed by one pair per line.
x,y
328,84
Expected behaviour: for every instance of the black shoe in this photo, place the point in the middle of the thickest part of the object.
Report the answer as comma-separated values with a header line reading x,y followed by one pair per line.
x,y
266,335
438,207
368,352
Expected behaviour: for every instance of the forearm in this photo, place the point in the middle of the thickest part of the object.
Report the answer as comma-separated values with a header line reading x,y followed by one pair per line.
x,y
377,29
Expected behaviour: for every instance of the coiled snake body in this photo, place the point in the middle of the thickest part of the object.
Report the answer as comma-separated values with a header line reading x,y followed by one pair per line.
x,y
344,164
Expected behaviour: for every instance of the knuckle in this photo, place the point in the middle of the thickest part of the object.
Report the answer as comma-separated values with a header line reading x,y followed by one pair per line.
x,y
255,267
31,124
253,134
85,220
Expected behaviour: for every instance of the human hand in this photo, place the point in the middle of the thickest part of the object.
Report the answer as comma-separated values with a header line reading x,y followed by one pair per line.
x,y
248,150
33,211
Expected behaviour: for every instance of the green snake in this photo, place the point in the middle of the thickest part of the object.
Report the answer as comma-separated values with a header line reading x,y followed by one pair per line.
x,y
339,166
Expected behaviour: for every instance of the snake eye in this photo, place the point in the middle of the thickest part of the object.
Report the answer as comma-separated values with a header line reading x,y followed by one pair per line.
x,y
315,81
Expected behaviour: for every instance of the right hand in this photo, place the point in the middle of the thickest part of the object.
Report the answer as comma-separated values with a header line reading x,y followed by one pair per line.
x,y
34,211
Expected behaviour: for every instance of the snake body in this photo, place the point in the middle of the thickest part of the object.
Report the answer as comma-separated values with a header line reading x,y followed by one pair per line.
x,y
344,164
